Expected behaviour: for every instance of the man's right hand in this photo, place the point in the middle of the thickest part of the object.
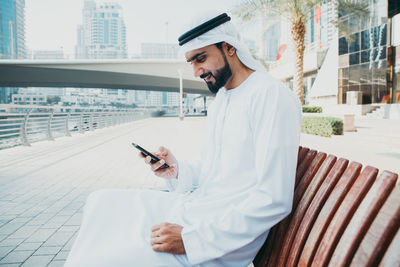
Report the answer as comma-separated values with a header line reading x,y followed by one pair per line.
x,y
166,157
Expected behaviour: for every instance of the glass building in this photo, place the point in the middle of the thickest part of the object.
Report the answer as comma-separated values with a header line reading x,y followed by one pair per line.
x,y
364,62
12,37
12,29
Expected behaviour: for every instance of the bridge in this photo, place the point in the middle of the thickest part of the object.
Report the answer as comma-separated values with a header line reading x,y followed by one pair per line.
x,y
152,75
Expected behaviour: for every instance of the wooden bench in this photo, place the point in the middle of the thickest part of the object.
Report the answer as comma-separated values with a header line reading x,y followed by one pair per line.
x,y
342,215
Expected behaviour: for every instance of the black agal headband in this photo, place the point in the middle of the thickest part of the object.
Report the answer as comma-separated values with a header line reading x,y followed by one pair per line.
x,y
203,28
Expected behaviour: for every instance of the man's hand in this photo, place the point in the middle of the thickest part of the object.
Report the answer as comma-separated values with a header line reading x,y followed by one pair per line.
x,y
166,237
166,157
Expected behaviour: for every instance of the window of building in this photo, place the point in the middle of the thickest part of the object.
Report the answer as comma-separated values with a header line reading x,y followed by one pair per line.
x,y
343,46
354,75
355,44
365,40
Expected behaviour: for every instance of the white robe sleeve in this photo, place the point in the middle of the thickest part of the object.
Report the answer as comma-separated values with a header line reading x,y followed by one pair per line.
x,y
189,172
187,177
275,118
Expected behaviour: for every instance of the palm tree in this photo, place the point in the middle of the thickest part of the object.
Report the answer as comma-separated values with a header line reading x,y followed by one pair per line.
x,y
297,12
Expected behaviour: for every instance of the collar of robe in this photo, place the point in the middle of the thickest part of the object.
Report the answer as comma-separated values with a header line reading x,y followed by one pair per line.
x,y
203,28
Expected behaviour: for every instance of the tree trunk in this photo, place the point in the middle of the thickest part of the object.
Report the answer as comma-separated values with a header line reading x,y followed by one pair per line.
x,y
298,31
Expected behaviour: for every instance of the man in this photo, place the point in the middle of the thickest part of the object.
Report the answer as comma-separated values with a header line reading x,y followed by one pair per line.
x,y
239,188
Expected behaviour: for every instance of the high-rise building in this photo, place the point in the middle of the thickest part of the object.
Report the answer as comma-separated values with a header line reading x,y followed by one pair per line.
x,y
103,32
12,37
12,29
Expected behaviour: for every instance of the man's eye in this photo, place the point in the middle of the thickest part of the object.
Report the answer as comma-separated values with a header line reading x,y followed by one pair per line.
x,y
201,59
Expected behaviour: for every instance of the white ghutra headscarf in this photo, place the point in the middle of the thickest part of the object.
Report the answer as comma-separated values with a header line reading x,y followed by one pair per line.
x,y
225,32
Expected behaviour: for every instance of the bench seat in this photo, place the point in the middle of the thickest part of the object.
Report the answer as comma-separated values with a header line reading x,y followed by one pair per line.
x,y
342,215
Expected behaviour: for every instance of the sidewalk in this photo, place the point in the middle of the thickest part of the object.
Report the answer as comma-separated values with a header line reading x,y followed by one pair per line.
x,y
376,142
44,187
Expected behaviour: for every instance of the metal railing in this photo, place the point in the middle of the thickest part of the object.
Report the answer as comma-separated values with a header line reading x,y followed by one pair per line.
x,y
25,124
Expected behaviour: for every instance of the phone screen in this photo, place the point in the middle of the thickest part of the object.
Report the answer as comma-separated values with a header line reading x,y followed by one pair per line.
x,y
146,153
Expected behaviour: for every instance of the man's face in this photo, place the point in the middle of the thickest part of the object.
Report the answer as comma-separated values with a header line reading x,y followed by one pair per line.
x,y
210,64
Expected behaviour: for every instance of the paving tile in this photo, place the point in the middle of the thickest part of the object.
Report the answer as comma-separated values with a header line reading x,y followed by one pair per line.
x,y
49,225
37,261
11,242
22,219
17,256
70,243
41,235
6,218
10,265
59,239
75,220
35,222
62,255
24,232
10,228
68,212
29,246
47,250
67,228
5,250
56,263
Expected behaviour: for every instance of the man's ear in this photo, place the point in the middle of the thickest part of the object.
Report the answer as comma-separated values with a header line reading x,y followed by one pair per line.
x,y
230,49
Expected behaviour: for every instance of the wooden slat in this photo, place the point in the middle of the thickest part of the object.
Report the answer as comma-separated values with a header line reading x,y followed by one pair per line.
x,y
302,154
392,255
304,165
263,255
314,209
301,208
277,258
343,215
380,234
307,178
335,198
362,220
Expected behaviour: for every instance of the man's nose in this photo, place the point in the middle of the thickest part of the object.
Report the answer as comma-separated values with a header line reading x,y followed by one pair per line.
x,y
197,71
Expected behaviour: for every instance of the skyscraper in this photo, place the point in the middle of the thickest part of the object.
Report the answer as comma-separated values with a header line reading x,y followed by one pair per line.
x,y
12,37
103,33
12,29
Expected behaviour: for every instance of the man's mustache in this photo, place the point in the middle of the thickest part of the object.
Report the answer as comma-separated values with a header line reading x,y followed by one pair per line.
x,y
204,75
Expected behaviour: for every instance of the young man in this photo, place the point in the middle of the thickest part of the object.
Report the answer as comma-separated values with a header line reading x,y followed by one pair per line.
x,y
239,188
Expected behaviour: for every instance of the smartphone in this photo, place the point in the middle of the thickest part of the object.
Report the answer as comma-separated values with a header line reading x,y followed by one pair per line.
x,y
146,153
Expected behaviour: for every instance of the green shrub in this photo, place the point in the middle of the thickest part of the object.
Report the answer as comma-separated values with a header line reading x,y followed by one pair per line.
x,y
312,109
324,126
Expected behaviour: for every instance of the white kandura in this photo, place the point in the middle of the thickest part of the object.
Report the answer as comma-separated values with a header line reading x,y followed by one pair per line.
x,y
241,185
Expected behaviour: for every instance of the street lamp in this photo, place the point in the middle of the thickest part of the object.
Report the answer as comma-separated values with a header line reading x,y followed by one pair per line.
x,y
180,95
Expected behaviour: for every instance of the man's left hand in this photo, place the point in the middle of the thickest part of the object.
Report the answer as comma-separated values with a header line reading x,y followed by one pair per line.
x,y
166,237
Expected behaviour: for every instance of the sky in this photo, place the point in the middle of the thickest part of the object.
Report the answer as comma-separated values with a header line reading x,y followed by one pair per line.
x,y
52,24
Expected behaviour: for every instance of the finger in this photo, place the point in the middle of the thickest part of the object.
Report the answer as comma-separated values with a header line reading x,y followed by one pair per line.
x,y
141,155
162,171
155,234
170,169
163,151
147,159
159,247
156,227
157,165
156,240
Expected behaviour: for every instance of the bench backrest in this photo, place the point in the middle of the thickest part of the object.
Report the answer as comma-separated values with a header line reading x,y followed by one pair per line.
x,y
342,215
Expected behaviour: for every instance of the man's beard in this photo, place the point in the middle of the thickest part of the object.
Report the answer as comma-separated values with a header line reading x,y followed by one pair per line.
x,y
221,76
